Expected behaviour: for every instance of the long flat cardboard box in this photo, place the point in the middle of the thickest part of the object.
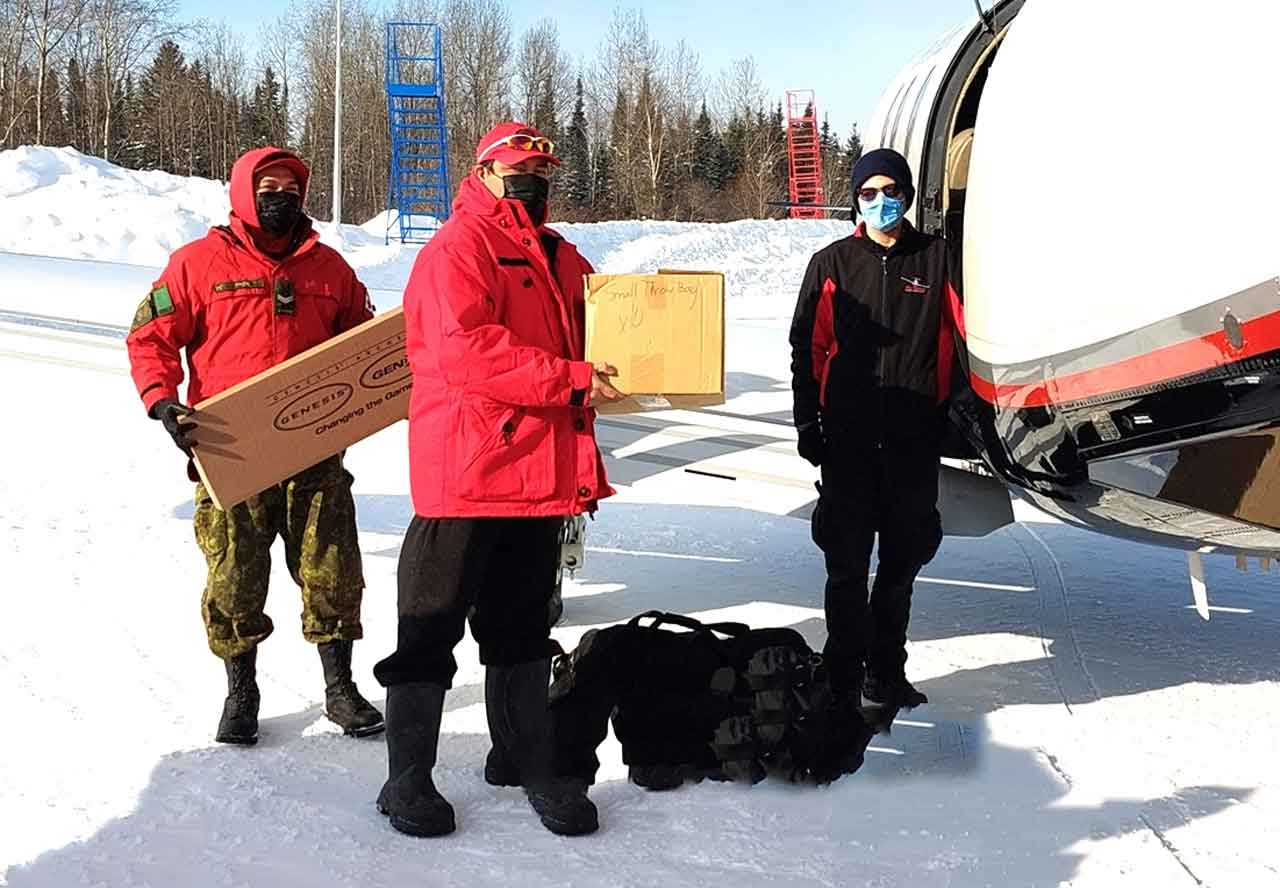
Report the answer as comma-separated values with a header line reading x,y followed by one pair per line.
x,y
665,334
292,416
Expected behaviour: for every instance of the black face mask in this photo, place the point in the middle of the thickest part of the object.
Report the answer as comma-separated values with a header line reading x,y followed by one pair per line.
x,y
278,211
530,190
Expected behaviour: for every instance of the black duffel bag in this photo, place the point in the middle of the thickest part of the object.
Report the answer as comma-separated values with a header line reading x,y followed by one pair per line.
x,y
719,700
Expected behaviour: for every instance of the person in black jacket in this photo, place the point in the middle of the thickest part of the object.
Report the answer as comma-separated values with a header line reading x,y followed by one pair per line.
x,y
872,345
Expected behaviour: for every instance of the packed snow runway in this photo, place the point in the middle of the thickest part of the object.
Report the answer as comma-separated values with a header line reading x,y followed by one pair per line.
x,y
1086,727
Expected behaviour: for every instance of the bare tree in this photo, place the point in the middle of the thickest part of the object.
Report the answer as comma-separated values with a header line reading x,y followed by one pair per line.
x,y
743,101
128,31
477,52
224,64
651,144
541,68
277,50
15,32
739,89
51,22
627,55
684,90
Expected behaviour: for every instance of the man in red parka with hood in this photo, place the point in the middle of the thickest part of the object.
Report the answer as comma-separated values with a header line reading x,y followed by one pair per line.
x,y
243,298
501,447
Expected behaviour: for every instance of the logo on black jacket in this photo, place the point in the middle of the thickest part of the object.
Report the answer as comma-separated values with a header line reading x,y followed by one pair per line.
x,y
914,285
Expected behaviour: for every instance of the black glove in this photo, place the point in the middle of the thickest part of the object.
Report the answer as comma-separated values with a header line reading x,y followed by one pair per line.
x,y
812,444
168,412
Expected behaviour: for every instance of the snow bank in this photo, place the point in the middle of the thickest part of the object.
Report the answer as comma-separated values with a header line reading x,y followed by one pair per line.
x,y
61,203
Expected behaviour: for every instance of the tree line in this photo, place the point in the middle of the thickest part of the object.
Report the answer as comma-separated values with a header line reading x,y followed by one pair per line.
x,y
642,129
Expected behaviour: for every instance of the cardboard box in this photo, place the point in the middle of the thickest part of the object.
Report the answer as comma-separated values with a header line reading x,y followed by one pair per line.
x,y
294,415
665,334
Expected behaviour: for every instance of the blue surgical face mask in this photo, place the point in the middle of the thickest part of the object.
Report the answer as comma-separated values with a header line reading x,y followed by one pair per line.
x,y
883,213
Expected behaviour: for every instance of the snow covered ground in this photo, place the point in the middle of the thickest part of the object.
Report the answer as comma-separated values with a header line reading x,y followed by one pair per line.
x,y
1086,729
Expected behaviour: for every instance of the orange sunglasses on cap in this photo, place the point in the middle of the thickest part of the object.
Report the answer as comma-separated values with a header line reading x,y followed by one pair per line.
x,y
520,142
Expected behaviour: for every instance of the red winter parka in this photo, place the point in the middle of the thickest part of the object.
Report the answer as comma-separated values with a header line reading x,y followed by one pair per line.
x,y
494,320
235,309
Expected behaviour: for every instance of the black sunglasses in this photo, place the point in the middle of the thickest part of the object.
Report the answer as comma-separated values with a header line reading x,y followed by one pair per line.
x,y
893,190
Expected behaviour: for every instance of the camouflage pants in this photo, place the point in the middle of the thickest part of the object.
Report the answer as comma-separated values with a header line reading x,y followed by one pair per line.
x,y
315,514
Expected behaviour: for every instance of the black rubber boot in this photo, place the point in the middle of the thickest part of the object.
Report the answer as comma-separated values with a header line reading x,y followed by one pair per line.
x,y
501,765
894,691
343,703
409,797
656,777
521,730
239,722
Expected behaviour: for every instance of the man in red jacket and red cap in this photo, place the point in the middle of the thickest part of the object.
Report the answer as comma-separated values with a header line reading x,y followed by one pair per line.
x,y
501,448
243,298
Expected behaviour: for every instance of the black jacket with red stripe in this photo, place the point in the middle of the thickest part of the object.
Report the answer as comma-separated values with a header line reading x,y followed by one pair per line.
x,y
873,339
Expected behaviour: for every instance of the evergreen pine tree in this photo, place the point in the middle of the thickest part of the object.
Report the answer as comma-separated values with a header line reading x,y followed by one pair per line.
x,y
122,100
735,149
575,175
201,157
267,112
621,204
853,148
544,113
51,114
154,112
832,158
776,133
708,151
79,135
604,187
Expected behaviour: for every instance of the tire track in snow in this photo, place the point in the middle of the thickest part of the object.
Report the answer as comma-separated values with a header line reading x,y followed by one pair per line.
x,y
1070,674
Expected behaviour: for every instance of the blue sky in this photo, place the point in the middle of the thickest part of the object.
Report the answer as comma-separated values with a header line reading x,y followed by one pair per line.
x,y
846,52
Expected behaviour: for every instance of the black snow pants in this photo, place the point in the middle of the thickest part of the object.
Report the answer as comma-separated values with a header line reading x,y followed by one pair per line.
x,y
504,568
892,491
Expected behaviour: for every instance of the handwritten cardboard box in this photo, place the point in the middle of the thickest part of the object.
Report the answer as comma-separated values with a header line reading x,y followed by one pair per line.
x,y
292,416
665,334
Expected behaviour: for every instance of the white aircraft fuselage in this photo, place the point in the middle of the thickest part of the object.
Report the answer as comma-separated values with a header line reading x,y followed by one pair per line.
x,y
1106,175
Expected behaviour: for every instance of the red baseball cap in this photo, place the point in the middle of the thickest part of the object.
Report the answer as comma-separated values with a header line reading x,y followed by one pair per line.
x,y
513,142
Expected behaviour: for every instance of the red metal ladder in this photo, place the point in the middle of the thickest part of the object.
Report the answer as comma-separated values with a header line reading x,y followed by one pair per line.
x,y
804,155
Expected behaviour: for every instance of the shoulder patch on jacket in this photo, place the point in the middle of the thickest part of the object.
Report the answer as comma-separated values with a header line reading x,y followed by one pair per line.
x,y
156,304
161,301
144,315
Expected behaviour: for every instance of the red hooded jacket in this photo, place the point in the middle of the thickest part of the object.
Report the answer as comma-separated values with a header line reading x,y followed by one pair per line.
x,y
495,334
218,298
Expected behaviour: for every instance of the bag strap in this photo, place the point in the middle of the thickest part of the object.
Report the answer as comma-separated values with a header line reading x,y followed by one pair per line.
x,y
659,617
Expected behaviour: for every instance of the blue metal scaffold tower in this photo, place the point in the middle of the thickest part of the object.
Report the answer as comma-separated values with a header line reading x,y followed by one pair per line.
x,y
419,184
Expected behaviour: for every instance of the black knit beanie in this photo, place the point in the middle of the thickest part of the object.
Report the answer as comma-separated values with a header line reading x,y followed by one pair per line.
x,y
883,162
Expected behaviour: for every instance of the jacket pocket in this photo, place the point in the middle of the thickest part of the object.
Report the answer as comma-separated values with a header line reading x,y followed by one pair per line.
x,y
504,453
319,309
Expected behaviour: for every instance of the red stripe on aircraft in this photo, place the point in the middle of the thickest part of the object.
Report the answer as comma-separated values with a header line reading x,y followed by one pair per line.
x,y
1261,335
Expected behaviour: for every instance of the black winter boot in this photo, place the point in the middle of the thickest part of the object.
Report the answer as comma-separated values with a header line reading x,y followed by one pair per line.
x,y
409,797
343,703
239,722
656,778
892,690
501,765
521,730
